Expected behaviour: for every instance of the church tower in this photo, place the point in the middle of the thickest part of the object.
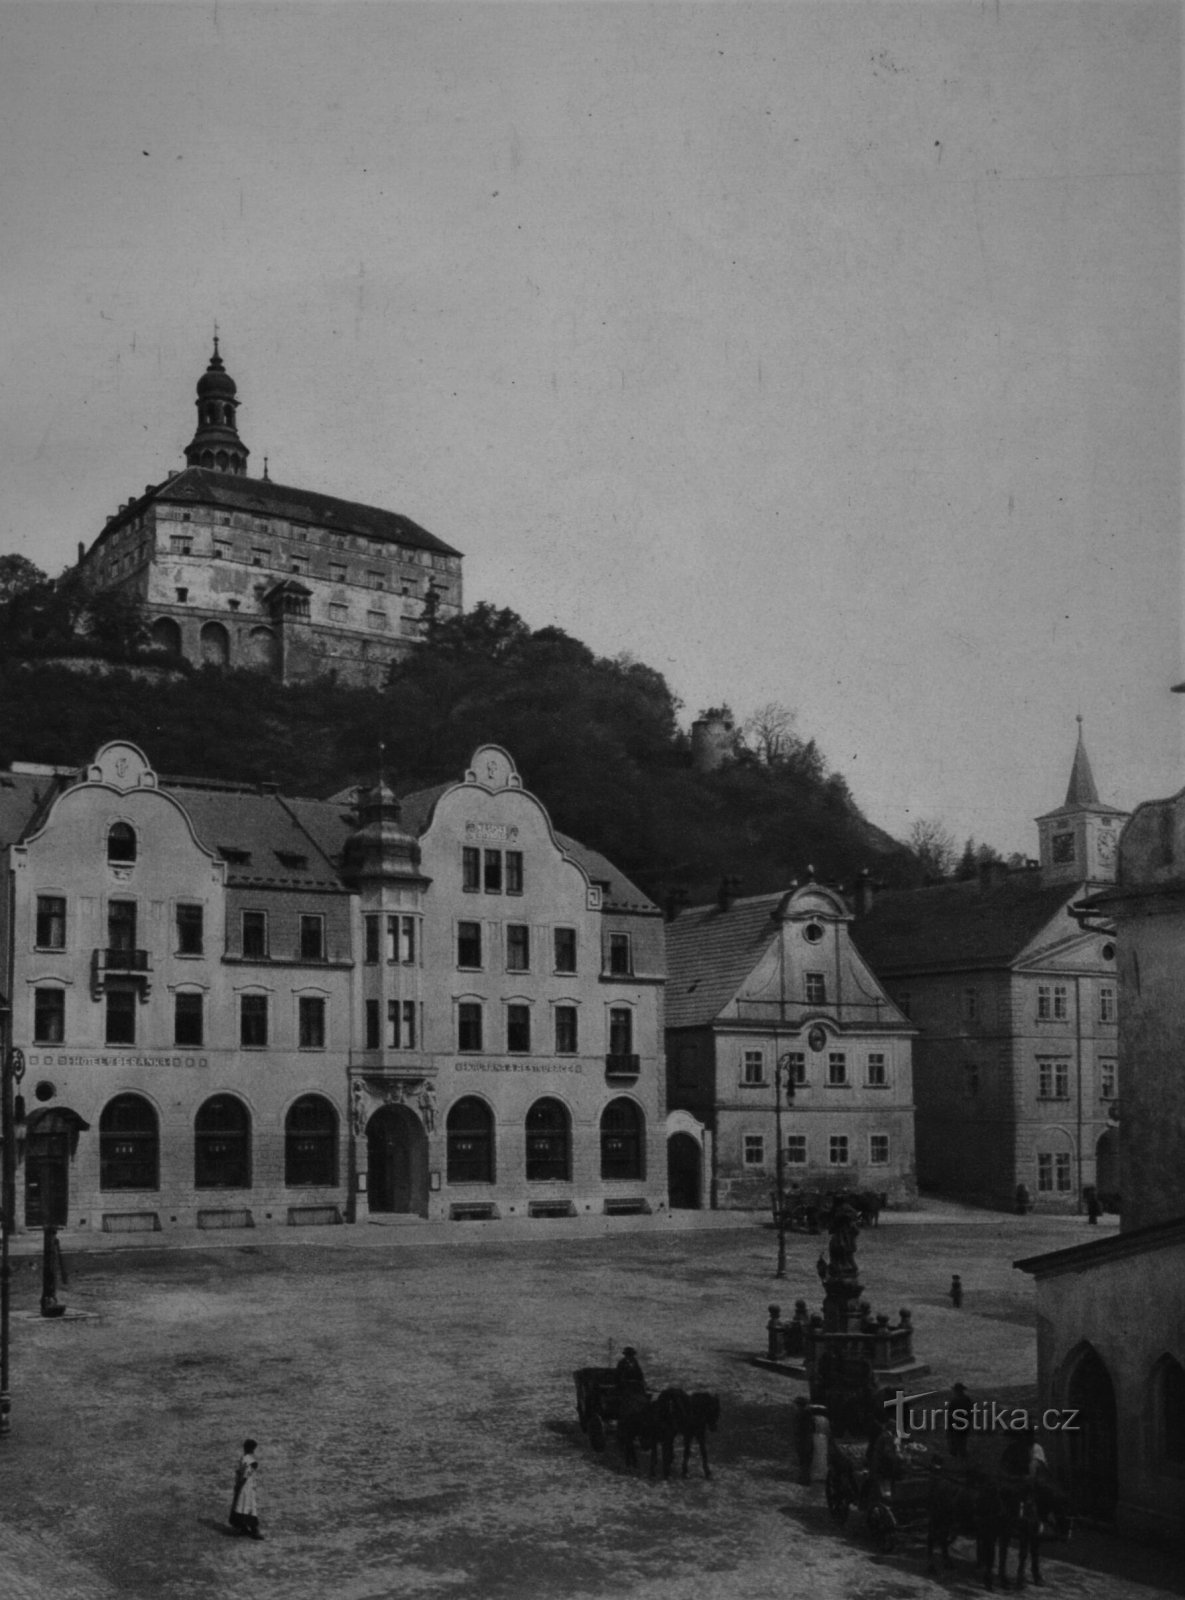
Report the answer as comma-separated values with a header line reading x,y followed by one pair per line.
x,y
216,444
1078,840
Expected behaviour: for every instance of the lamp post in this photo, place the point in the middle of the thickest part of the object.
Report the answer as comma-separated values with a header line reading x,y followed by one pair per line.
x,y
12,1069
782,1065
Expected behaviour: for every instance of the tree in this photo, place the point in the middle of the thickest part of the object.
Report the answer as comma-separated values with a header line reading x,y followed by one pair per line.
x,y
934,846
770,730
115,621
17,576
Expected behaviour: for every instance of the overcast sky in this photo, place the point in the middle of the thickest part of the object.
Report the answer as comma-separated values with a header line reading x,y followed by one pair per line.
x,y
820,353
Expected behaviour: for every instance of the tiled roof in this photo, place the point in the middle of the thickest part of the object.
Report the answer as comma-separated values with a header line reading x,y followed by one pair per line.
x,y
1111,1247
957,925
261,497
260,838
620,894
711,952
21,794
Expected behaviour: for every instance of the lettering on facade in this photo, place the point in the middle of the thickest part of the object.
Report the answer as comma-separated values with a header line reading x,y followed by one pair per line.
x,y
576,1067
491,832
118,1061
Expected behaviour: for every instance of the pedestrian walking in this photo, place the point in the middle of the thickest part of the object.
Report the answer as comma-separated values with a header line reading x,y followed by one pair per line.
x,y
958,1427
956,1291
802,1424
244,1509
1094,1209
1024,1203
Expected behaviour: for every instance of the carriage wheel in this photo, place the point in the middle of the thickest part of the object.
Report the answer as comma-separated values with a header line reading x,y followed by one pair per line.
x,y
883,1527
596,1431
837,1500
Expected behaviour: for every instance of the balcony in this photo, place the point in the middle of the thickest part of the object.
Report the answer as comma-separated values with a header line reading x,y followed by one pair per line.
x,y
124,964
622,1066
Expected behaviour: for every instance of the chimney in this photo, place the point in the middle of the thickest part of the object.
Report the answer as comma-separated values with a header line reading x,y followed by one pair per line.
x,y
676,899
82,550
865,892
727,892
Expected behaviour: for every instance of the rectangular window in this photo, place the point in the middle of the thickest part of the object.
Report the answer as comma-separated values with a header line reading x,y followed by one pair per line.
x,y
401,1024
518,1029
565,949
180,544
1061,1171
373,931
753,1066
837,1067
376,621
51,922
796,1067
187,1019
514,872
1044,1172
878,1075
971,1004
190,930
337,572
796,1149
260,557
621,1031
878,1149
816,989
1045,1080
1106,1080
407,941
373,1041
470,869
121,925
253,1021
409,1024
565,1030
754,1151
311,1018
121,1016
518,947
621,962
376,580
312,938
1107,1002
1044,1002
222,550
338,612
1061,1008
299,565
469,1025
493,872
255,935
49,1016
1061,1080
469,944
837,1150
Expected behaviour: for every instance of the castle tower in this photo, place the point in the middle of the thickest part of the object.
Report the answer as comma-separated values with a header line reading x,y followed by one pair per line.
x,y
1078,840
216,444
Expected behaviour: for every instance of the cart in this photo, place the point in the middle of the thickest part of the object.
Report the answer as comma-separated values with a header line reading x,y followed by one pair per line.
x,y
599,1393
891,1507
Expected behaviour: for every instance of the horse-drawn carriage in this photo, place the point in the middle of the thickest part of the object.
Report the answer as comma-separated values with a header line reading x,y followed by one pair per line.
x,y
892,1501
599,1397
811,1210
640,1419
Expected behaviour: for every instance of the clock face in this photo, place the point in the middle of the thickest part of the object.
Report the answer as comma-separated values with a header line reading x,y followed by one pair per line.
x,y
1107,847
1063,847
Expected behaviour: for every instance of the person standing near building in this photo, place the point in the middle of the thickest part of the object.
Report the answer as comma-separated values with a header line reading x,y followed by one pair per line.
x,y
958,1428
244,1509
802,1423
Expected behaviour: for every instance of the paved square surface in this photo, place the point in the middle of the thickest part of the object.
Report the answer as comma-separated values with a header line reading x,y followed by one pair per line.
x,y
411,1392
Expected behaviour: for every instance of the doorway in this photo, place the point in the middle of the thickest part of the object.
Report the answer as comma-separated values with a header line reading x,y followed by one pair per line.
x,y
684,1172
397,1162
1093,1446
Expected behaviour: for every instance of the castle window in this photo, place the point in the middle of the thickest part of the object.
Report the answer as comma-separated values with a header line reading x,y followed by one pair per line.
x,y
816,989
376,580
376,621
338,612
260,558
796,1067
877,1074
222,550
337,572
753,1066
180,544
182,596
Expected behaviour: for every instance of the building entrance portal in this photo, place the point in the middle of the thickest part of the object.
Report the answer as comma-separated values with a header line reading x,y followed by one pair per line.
x,y
397,1162
684,1172
1093,1445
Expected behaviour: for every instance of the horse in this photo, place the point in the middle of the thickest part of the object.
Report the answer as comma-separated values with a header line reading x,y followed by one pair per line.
x,y
651,1424
973,1508
867,1203
694,1416
1035,1510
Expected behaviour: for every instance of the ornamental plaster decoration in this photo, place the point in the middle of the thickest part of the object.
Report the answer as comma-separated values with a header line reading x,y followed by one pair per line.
x,y
492,768
121,766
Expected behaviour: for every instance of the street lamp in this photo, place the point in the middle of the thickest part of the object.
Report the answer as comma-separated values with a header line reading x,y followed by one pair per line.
x,y
12,1070
782,1065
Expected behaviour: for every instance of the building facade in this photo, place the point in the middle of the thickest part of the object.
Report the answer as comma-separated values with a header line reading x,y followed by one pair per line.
x,y
240,571
772,984
1111,1314
1016,1058
236,1007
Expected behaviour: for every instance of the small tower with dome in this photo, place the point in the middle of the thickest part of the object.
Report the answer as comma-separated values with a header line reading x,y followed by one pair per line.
x,y
216,444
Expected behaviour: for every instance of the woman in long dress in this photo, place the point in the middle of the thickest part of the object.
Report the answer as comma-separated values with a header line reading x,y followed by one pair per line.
x,y
244,1510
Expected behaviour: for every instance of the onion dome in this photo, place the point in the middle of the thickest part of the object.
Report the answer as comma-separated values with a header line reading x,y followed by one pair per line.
x,y
216,444
379,847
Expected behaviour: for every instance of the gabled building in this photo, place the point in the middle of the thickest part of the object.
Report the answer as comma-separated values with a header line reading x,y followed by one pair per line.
x,y
1016,1007
236,1007
241,571
773,983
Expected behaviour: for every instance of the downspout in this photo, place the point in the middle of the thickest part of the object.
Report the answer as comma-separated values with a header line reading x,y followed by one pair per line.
x,y
1078,1072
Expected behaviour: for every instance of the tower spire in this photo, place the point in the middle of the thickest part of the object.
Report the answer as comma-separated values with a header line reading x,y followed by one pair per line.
x,y
1081,790
216,444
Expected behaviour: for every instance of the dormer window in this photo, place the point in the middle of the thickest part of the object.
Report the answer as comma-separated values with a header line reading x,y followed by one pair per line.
x,y
121,843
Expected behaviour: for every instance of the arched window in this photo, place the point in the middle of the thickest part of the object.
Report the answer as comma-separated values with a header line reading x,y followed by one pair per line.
x,y
222,1144
215,645
166,635
310,1144
549,1143
1168,1397
622,1140
470,1142
129,1144
121,842
207,458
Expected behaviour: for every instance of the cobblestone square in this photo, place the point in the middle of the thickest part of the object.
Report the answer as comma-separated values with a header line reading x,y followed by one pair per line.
x,y
411,1391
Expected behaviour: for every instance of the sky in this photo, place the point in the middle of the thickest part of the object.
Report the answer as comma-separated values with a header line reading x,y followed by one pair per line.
x,y
826,354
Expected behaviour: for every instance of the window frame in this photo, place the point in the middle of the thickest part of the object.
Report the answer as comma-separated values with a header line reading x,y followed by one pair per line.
x,y
56,1013
469,933
569,1014
875,1141
518,946
470,1026
119,1001
311,936
260,923
815,988
518,1028
560,945
620,955
254,1019
752,1150
839,1152
184,923
50,922
197,1012
312,1022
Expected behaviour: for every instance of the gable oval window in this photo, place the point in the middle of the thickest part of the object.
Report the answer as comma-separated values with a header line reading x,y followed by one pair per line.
x,y
813,932
121,843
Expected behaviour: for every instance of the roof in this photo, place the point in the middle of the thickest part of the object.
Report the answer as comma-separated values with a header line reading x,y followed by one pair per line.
x,y
262,497
960,925
265,840
711,952
1082,792
20,796
1111,1247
